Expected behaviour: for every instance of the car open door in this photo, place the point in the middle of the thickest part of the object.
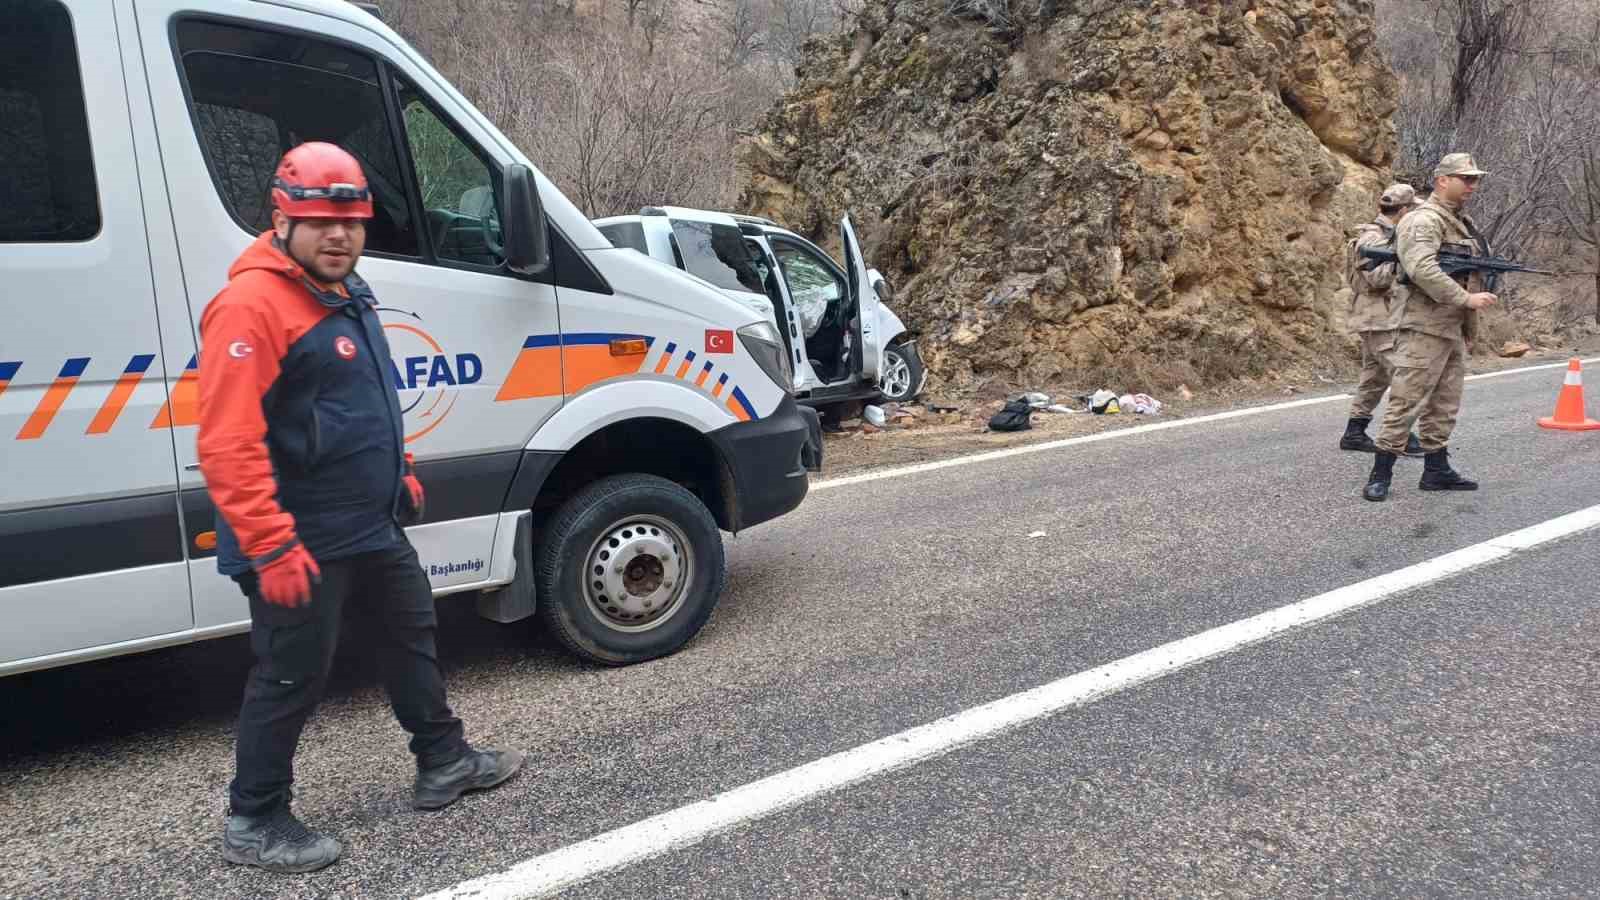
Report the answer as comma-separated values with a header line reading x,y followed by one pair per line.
x,y
865,325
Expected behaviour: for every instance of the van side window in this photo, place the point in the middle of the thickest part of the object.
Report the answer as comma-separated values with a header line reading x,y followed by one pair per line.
x,y
47,184
460,204
255,94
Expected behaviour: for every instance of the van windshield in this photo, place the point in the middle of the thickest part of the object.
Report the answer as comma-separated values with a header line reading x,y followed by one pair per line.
x,y
718,254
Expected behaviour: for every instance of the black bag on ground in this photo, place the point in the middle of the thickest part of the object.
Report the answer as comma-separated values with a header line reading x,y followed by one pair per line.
x,y
1017,416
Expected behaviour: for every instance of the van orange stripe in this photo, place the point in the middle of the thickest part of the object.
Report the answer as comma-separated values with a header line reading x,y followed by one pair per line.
x,y
666,358
120,394
53,398
183,407
8,371
586,365
683,370
48,406
107,416
536,373
183,404
704,374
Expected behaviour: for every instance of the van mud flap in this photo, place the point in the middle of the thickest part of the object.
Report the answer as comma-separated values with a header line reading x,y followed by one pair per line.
x,y
515,601
811,453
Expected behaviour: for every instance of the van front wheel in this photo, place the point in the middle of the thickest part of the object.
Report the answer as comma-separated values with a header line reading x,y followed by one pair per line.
x,y
629,569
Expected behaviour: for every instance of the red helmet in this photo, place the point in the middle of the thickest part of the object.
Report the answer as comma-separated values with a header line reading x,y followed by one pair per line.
x,y
321,181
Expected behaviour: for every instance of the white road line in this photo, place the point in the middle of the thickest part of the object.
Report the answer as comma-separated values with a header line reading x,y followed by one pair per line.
x,y
687,825
1046,446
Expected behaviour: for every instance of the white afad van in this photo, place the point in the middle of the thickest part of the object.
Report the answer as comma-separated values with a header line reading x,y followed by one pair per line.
x,y
585,420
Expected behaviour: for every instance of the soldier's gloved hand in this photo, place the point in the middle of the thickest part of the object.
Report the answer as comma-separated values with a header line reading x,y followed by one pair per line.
x,y
1481,299
413,490
286,581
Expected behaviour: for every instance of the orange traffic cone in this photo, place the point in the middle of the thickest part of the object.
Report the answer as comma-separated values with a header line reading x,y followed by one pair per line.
x,y
1569,404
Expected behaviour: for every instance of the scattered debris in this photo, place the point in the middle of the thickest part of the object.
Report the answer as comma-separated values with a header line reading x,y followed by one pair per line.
x,y
874,416
939,406
1036,399
1059,408
1016,415
1184,392
1103,403
1515,349
1143,404
1036,534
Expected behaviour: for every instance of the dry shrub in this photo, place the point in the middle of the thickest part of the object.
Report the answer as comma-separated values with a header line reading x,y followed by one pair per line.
x,y
622,105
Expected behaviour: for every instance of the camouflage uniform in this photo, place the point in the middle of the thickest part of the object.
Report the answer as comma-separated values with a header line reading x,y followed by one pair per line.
x,y
1432,322
1433,325
1369,308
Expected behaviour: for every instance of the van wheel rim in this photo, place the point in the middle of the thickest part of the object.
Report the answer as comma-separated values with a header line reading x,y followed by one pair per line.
x,y
896,381
638,573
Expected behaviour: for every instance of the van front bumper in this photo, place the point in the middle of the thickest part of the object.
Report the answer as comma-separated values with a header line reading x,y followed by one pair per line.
x,y
770,460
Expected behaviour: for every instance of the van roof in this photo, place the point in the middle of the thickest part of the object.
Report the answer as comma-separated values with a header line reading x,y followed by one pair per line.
x,y
338,9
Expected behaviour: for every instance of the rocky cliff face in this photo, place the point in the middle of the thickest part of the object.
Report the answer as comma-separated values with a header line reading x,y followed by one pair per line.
x,y
1092,179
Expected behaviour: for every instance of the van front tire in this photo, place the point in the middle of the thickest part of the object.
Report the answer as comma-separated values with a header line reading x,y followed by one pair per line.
x,y
629,569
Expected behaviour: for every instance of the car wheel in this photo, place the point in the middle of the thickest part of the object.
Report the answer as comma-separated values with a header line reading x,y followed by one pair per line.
x,y
902,373
629,569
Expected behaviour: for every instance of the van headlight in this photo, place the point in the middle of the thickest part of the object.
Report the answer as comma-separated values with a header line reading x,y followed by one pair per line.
x,y
766,347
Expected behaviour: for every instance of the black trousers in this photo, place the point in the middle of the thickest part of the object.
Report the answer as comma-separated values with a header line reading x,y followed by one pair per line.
x,y
386,590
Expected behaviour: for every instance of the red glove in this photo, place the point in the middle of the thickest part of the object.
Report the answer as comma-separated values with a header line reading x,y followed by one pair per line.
x,y
413,489
286,581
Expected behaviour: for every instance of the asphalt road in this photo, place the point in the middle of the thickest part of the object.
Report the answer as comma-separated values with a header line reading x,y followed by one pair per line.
x,y
1440,743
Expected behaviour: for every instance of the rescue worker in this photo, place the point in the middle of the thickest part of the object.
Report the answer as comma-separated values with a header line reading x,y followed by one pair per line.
x,y
302,450
1434,316
1369,318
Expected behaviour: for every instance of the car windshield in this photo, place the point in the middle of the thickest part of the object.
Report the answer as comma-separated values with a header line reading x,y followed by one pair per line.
x,y
718,254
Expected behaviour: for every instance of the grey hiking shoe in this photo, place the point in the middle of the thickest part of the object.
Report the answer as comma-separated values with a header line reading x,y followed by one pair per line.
x,y
479,770
277,842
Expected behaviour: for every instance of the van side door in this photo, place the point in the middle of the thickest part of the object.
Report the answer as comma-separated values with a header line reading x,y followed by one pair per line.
x,y
91,551
476,349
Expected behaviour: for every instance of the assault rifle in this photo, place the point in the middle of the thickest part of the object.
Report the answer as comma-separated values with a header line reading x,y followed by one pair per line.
x,y
1452,264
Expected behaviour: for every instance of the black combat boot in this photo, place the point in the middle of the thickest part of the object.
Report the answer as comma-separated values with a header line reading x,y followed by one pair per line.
x,y
1413,446
1355,436
277,842
1377,489
479,770
1438,476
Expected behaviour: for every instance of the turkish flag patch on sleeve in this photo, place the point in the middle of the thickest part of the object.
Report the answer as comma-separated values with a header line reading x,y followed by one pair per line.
x,y
719,340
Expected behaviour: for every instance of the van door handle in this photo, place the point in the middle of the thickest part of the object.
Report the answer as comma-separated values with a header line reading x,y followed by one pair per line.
x,y
192,467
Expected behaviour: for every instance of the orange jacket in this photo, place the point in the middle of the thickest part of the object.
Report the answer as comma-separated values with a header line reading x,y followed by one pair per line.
x,y
300,426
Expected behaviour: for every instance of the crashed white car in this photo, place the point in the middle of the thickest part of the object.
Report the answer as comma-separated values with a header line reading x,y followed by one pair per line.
x,y
844,343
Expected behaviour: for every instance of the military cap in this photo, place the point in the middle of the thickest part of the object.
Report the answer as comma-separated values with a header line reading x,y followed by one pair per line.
x,y
1457,164
1397,195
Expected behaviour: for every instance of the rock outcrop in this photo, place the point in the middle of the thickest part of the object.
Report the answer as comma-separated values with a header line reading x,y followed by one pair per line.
x,y
1094,180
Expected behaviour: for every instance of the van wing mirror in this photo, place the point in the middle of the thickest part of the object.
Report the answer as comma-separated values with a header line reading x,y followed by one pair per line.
x,y
527,234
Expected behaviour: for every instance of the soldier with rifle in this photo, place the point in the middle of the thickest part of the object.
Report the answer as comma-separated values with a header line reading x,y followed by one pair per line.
x,y
1368,317
1434,314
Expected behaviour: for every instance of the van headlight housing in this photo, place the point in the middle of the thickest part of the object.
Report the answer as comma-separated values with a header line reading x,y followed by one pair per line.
x,y
764,345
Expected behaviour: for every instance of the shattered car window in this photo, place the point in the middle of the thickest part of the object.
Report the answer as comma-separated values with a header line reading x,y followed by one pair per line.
x,y
813,286
717,253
